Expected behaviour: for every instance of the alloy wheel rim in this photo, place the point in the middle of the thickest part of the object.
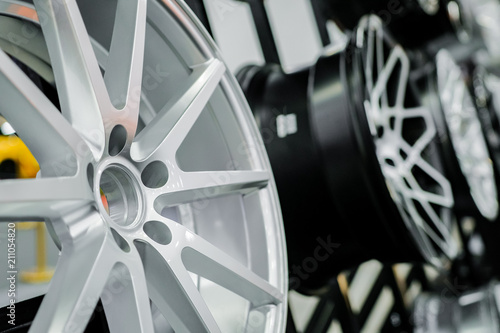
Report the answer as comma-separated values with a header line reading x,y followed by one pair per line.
x,y
466,135
426,210
191,232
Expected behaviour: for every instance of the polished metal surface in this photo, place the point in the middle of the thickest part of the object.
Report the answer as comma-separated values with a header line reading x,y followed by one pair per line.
x,y
153,177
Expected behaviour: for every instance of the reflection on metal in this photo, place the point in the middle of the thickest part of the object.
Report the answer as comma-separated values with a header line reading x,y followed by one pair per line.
x,y
196,147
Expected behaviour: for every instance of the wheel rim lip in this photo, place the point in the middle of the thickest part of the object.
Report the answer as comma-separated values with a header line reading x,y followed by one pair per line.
x,y
440,258
358,158
234,96
485,198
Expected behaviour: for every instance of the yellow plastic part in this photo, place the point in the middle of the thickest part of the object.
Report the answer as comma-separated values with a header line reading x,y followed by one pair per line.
x,y
26,225
41,273
13,148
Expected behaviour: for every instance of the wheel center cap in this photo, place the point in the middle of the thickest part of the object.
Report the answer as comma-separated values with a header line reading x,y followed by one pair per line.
x,y
120,195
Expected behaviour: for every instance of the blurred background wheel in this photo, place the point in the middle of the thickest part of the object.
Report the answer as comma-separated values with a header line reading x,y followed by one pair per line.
x,y
466,136
405,139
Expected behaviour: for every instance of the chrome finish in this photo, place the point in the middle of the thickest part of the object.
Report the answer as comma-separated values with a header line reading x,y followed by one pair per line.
x,y
189,236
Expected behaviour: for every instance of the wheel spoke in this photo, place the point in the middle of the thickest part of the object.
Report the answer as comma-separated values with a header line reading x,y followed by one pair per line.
x,y
93,165
396,55
444,242
82,271
445,199
424,198
192,186
123,76
60,143
126,293
415,152
204,259
437,221
181,302
80,85
172,124
428,237
42,198
370,53
380,56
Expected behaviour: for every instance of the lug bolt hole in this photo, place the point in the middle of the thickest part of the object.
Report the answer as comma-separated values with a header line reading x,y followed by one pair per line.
x,y
158,232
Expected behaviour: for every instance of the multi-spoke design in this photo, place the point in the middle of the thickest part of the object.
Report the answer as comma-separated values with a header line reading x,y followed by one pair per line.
x,y
466,135
403,136
152,174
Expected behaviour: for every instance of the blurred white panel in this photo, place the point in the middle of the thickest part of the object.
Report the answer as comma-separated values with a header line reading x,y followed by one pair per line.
x,y
362,283
431,273
234,31
335,327
402,271
379,312
295,31
302,308
412,293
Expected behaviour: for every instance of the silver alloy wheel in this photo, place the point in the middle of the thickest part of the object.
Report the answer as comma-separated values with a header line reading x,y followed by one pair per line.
x,y
189,238
426,210
466,135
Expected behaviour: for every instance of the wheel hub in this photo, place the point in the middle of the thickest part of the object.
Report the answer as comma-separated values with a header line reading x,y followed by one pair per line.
x,y
119,195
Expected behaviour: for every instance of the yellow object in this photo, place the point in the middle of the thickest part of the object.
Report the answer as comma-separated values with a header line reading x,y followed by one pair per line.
x,y
26,225
41,273
13,148
344,289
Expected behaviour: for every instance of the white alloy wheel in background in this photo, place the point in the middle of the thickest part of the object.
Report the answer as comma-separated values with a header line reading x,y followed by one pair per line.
x,y
466,135
402,134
